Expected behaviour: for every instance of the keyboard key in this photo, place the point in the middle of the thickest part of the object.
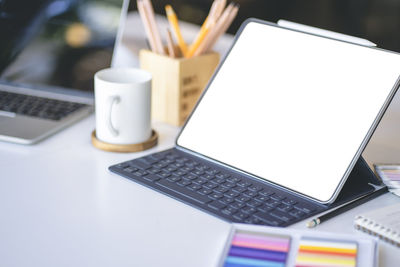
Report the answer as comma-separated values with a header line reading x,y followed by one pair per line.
x,y
277,197
231,194
208,176
174,178
183,192
262,198
237,205
244,184
216,195
227,200
187,169
273,203
281,215
253,203
284,208
190,177
216,205
164,174
131,169
229,210
264,208
166,161
170,169
194,187
228,185
180,173
205,191
255,188
151,178
200,181
223,176
242,199
289,202
212,172
153,170
140,173
181,160
240,216
197,172
149,160
268,219
160,165
210,185
250,194
232,180
122,165
191,164
239,189
184,183
305,208
171,156
266,192
297,213
249,210
202,167
221,189
141,165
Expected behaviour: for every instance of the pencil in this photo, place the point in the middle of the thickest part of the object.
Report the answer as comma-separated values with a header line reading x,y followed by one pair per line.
x,y
200,38
204,46
220,7
211,15
146,25
170,44
173,21
153,26
345,207
224,27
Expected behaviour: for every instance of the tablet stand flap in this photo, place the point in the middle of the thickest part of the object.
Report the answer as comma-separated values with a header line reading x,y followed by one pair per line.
x,y
360,182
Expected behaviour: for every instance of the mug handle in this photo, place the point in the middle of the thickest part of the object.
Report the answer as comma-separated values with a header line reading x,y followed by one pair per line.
x,y
111,101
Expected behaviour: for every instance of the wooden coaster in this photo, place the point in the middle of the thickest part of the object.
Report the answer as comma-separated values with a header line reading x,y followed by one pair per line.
x,y
152,141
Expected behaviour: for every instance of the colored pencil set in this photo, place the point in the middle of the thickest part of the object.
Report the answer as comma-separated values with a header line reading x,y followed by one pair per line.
x,y
261,249
327,253
257,249
219,19
390,175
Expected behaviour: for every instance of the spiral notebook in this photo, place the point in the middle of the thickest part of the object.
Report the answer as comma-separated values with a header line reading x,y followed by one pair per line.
x,y
384,223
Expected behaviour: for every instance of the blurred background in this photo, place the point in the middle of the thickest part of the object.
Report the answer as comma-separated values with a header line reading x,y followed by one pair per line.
x,y
375,20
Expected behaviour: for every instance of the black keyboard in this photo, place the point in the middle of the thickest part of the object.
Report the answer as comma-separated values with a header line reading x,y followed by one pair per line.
x,y
222,192
34,106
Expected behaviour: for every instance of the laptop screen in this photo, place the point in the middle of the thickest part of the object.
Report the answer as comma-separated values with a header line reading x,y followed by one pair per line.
x,y
57,42
292,108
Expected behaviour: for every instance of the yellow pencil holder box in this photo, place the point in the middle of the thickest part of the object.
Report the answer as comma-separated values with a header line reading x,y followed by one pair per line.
x,y
177,83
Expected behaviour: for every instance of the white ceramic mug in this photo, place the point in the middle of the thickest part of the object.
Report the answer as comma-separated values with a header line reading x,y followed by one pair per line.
x,y
123,105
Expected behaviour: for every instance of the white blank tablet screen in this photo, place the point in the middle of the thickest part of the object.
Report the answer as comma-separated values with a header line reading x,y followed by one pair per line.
x,y
292,108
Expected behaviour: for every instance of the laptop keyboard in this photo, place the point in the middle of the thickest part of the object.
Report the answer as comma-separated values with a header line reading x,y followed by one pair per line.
x,y
230,195
34,106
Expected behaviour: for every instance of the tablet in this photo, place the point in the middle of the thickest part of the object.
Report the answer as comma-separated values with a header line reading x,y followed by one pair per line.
x,y
293,109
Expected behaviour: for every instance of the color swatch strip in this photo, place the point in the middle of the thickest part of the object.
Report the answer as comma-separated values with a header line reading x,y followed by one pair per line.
x,y
250,249
327,253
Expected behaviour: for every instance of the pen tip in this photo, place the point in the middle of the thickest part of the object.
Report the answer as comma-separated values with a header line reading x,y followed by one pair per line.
x,y
313,223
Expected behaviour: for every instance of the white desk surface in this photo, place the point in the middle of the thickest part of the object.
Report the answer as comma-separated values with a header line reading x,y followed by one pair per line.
x,y
60,206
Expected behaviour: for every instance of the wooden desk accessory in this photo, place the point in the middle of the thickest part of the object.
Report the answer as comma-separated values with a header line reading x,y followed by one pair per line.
x,y
151,142
177,83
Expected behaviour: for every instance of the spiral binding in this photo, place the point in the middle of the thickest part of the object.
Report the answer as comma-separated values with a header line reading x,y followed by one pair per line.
x,y
376,229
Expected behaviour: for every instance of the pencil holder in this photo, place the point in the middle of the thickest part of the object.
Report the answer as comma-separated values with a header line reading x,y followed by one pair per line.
x,y
177,83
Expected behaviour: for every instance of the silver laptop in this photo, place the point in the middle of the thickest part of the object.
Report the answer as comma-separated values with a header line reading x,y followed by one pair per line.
x,y
47,62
